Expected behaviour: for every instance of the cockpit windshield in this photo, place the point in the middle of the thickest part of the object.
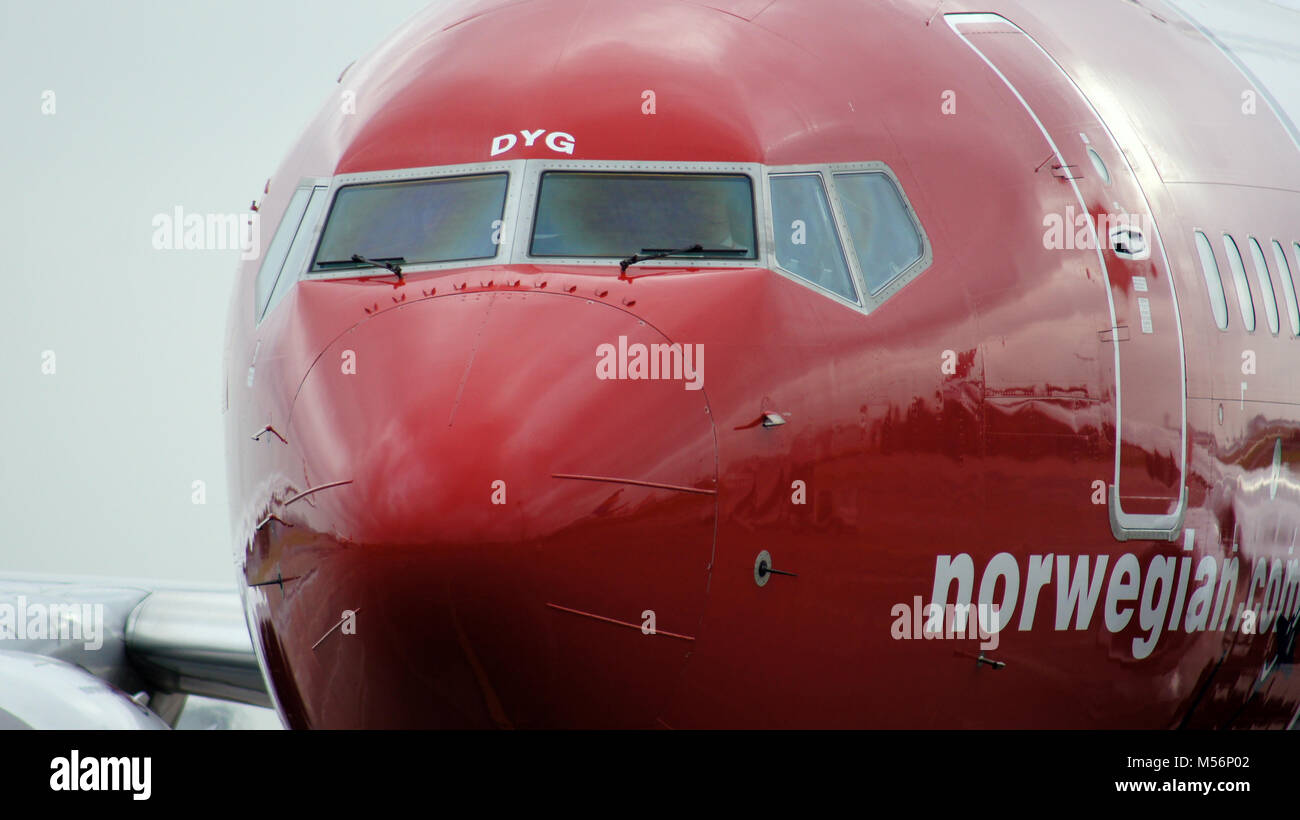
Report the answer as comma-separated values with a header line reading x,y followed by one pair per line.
x,y
618,215
415,222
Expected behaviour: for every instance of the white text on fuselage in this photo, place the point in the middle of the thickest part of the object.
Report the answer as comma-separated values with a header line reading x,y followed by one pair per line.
x,y
1167,594
558,141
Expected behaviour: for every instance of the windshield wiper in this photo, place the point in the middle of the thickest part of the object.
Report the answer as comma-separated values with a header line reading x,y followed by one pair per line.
x,y
663,253
388,262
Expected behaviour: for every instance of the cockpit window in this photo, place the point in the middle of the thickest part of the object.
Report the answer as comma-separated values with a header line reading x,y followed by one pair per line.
x,y
273,261
884,236
807,243
617,215
416,222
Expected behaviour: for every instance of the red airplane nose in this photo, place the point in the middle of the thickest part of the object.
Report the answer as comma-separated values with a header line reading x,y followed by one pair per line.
x,y
529,524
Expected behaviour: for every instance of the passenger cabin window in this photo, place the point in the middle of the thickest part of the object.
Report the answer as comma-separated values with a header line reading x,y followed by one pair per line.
x,y
807,242
1213,281
414,222
881,229
1099,164
273,261
1265,286
1243,285
1288,285
617,215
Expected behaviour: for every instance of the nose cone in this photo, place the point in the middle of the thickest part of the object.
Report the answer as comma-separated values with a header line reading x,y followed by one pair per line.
x,y
512,516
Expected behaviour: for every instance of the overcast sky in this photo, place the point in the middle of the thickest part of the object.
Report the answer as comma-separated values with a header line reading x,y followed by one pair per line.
x,y
157,105
166,104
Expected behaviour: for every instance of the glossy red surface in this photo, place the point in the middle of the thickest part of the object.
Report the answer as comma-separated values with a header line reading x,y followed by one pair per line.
x,y
527,613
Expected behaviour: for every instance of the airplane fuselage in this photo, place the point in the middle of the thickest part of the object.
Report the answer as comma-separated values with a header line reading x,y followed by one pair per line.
x,y
530,493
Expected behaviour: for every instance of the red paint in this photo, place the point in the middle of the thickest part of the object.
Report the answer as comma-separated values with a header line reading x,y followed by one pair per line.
x,y
458,387
638,627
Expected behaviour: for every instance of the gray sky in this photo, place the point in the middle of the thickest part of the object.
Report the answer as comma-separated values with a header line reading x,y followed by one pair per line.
x,y
157,104
165,104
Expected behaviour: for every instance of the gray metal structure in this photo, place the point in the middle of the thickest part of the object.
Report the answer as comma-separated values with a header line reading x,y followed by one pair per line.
x,y
105,653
